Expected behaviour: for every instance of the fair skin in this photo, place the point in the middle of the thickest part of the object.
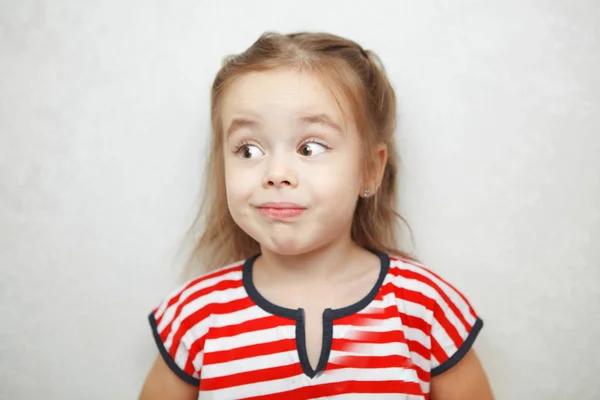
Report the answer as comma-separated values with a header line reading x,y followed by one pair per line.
x,y
289,155
287,141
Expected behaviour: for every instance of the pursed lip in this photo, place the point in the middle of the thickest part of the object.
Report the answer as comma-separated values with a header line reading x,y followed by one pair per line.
x,y
280,210
281,206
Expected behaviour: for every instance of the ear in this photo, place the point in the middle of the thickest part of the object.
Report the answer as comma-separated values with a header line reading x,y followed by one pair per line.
x,y
377,168
379,162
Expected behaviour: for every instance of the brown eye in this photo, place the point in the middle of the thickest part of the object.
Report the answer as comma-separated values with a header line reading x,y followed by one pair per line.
x,y
249,151
305,150
311,149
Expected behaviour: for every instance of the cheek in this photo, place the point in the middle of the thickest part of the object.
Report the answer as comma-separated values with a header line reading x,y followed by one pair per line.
x,y
339,181
239,182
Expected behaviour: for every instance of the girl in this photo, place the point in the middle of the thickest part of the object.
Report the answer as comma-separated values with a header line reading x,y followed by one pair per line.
x,y
301,186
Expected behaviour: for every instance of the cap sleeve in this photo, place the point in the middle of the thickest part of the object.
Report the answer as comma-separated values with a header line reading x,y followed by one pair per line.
x,y
177,325
454,327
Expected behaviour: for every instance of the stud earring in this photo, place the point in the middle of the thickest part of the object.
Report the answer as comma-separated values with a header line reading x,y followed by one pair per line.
x,y
367,192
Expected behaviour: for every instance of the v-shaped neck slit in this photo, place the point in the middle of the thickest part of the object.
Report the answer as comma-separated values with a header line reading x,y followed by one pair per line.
x,y
302,348
329,315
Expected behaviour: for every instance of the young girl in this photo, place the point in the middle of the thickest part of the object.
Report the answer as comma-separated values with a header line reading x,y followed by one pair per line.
x,y
301,187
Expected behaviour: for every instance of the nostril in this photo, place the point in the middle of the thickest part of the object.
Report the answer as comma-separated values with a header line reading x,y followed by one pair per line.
x,y
280,183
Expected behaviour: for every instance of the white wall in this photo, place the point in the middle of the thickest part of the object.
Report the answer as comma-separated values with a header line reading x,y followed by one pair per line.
x,y
103,119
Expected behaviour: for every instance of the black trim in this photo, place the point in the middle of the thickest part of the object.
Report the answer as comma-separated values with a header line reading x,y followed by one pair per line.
x,y
291,313
461,352
258,298
167,357
325,345
327,341
384,261
329,315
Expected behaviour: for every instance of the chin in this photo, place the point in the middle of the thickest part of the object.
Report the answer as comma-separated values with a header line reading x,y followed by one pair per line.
x,y
291,247
285,248
286,239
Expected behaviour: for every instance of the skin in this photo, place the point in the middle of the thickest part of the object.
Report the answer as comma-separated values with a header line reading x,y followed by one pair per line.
x,y
277,150
273,166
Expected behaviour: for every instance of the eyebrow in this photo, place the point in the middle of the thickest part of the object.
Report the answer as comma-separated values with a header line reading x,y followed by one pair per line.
x,y
321,119
239,123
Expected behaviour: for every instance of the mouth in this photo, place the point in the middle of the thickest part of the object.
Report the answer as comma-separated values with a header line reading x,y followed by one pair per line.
x,y
280,210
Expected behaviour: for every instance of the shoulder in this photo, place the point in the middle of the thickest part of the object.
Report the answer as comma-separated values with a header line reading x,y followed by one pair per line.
x,y
442,318
414,276
181,320
416,283
195,294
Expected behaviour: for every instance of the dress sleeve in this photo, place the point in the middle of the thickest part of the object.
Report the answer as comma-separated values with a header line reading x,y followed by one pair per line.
x,y
177,329
454,327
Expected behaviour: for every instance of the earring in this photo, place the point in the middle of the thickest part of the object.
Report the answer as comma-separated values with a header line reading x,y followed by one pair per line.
x,y
367,192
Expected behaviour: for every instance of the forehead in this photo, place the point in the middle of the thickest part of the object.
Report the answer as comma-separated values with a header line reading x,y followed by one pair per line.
x,y
281,94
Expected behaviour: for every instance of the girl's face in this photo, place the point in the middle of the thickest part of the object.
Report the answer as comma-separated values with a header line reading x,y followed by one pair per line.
x,y
293,165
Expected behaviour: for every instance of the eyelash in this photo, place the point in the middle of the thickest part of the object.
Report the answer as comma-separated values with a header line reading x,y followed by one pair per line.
x,y
317,141
239,147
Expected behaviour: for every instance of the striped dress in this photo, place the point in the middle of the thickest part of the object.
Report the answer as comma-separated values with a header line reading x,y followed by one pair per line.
x,y
218,333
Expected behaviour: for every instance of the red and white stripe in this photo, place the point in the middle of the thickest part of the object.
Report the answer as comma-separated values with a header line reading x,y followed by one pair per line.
x,y
215,333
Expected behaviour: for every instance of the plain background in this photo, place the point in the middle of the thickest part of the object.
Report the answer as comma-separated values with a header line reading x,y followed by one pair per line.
x,y
103,127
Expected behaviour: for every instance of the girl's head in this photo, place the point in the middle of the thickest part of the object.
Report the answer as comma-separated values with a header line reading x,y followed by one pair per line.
x,y
306,122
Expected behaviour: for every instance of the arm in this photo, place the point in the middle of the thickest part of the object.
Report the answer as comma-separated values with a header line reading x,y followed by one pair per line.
x,y
162,384
465,381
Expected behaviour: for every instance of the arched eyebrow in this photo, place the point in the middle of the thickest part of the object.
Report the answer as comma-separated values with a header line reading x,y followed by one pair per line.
x,y
321,119
239,123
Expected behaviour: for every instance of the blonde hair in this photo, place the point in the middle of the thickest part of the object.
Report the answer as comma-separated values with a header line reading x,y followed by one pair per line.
x,y
347,70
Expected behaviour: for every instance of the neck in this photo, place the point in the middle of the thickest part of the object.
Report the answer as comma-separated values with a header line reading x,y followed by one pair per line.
x,y
322,263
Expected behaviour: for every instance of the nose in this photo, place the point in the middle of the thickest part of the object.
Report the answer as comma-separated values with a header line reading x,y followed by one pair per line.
x,y
280,174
